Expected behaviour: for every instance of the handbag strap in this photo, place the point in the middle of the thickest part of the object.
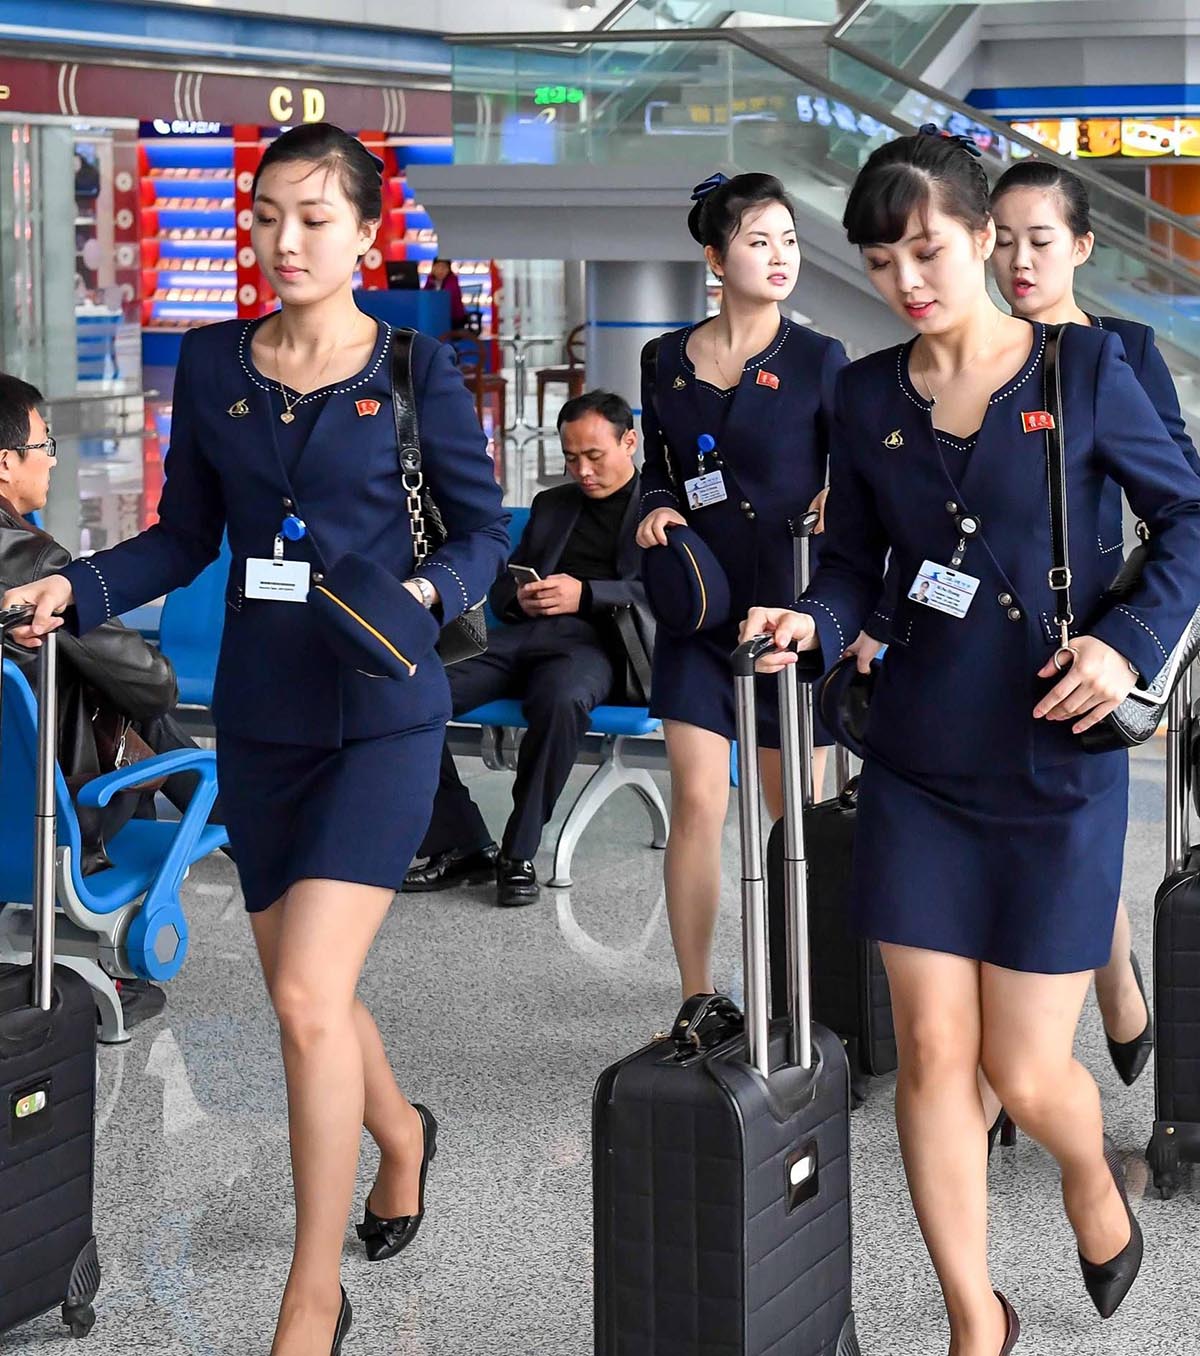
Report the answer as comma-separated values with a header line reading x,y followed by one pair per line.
x,y
1056,480
650,382
408,438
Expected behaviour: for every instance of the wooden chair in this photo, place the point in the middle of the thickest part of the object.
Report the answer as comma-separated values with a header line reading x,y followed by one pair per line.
x,y
472,363
573,376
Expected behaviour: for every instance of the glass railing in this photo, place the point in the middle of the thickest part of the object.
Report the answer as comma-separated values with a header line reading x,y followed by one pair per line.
x,y
648,98
898,31
679,15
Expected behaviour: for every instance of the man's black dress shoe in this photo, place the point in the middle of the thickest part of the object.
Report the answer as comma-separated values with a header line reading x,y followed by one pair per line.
x,y
1109,1282
516,883
384,1238
1129,1057
453,867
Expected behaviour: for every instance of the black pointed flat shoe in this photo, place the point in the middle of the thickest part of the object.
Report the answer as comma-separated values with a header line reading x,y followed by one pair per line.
x,y
344,1319
1109,1282
384,1238
1013,1330
1129,1057
1004,1129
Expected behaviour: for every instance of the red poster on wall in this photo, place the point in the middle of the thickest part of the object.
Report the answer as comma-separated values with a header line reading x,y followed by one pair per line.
x,y
251,285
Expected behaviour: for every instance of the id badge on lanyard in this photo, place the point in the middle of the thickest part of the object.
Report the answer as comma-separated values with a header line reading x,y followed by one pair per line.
x,y
278,580
709,486
945,588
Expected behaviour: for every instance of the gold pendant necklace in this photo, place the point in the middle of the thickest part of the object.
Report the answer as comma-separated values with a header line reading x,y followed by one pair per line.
x,y
933,400
287,416
717,362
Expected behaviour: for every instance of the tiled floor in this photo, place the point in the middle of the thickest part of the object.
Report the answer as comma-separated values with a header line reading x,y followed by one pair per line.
x,y
501,1020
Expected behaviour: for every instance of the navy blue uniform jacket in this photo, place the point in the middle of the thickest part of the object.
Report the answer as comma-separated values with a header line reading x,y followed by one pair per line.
x,y
1154,377
277,681
774,445
956,696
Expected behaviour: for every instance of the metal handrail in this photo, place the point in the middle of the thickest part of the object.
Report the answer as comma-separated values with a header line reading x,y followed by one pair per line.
x,y
835,39
739,37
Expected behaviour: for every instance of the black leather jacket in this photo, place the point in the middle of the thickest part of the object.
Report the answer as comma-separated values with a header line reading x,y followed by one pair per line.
x,y
132,676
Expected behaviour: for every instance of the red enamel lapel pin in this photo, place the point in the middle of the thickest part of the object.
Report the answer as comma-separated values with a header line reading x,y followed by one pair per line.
x,y
766,378
366,407
1034,420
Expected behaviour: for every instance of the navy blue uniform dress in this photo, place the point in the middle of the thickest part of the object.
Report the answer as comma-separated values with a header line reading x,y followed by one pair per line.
x,y
983,832
772,434
325,772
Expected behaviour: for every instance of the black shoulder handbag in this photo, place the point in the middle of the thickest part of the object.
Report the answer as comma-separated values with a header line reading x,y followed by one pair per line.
x,y
466,636
1139,715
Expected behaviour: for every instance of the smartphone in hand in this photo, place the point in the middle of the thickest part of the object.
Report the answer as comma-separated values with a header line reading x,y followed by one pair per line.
x,y
524,574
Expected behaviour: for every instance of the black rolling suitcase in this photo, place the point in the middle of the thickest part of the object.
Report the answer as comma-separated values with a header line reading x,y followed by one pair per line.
x,y
47,1090
721,1153
1176,1138
850,992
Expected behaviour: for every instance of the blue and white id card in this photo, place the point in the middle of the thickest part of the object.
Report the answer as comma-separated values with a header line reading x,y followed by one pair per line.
x,y
943,589
278,581
704,490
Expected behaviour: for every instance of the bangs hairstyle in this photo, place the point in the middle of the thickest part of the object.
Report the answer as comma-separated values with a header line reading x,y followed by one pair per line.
x,y
717,217
910,175
327,147
1071,190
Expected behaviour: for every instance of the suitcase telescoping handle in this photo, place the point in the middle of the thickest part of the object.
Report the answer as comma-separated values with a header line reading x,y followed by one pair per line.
x,y
44,810
1179,772
754,893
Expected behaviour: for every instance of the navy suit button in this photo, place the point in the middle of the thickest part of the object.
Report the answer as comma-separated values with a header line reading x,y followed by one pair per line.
x,y
287,503
318,578
745,506
1014,614
951,506
1004,599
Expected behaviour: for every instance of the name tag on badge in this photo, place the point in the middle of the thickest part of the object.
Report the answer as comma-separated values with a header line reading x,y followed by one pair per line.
x,y
943,589
278,581
704,490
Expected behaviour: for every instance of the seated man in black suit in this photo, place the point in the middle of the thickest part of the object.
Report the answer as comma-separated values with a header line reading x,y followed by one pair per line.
x,y
579,635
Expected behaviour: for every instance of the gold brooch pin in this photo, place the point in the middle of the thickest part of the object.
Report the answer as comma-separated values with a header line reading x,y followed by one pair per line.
x,y
894,439
679,384
239,409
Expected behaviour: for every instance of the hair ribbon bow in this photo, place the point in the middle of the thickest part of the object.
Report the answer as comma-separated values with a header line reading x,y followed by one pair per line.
x,y
931,129
702,191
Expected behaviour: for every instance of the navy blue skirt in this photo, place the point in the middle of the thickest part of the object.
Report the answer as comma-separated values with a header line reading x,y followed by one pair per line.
x,y
692,681
356,814
1020,871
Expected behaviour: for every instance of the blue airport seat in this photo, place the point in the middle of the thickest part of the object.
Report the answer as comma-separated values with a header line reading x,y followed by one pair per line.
x,y
500,720
189,633
125,921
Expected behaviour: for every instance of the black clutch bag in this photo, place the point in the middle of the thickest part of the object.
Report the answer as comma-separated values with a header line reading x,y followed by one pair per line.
x,y
466,636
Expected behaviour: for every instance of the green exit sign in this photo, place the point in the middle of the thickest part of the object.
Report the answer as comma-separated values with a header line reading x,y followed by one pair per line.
x,y
557,94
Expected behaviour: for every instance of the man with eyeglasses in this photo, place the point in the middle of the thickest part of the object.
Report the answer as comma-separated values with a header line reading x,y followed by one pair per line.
x,y
112,670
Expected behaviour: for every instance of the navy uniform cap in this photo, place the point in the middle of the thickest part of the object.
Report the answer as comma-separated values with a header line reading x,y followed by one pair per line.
x,y
686,585
844,702
371,621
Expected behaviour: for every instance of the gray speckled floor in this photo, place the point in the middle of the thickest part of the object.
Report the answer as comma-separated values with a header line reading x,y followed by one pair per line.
x,y
500,1020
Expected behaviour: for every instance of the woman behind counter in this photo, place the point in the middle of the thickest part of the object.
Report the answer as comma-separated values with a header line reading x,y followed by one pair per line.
x,y
989,847
283,433
759,387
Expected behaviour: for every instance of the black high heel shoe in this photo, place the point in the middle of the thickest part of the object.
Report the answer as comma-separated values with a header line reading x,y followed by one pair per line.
x,y
344,1319
384,1238
1129,1057
1004,1129
1109,1282
1013,1330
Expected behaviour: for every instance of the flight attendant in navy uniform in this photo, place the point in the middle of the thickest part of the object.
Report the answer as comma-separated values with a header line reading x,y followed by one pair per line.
x,y
735,427
1043,234
989,847
283,435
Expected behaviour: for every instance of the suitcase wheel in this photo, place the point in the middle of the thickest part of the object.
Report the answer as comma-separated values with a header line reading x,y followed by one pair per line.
x,y
1162,1154
80,1318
